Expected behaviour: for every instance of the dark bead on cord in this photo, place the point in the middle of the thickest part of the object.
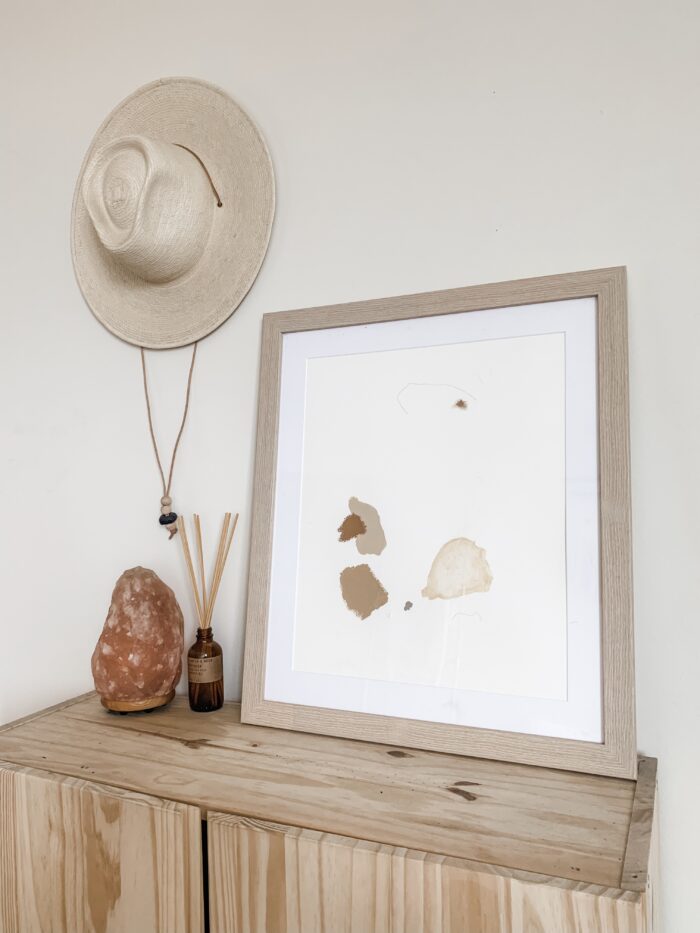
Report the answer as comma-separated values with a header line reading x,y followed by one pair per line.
x,y
168,519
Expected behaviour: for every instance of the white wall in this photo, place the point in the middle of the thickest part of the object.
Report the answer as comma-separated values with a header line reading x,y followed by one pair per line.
x,y
417,146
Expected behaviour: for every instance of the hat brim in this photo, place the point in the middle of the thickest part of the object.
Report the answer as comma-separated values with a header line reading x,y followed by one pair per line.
x,y
206,120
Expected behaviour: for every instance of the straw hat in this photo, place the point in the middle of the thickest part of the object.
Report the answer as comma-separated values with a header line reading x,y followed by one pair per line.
x,y
172,213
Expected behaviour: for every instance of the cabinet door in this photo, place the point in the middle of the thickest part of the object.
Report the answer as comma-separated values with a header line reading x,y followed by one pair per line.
x,y
267,878
77,857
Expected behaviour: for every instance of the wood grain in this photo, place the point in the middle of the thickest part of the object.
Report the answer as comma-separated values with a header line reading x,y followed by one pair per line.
x,y
616,755
653,879
635,869
267,878
76,857
39,714
572,827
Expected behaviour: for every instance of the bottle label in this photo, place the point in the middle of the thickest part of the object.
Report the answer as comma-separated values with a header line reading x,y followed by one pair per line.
x,y
205,670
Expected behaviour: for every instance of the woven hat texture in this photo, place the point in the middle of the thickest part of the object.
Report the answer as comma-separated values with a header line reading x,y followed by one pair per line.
x,y
158,261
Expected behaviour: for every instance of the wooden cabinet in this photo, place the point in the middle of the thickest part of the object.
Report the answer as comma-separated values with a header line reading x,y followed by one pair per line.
x,y
77,857
267,878
101,832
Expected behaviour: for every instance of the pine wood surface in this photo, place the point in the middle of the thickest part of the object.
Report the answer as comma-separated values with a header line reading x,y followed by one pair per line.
x,y
266,878
508,818
617,755
638,852
80,858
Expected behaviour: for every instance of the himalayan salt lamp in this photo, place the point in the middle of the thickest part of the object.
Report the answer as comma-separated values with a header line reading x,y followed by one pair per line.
x,y
137,661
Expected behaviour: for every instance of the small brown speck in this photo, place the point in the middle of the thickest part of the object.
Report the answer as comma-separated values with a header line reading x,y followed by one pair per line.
x,y
408,605
396,753
460,403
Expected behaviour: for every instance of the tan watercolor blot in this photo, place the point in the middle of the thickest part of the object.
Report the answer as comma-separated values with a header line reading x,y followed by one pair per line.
x,y
459,568
373,541
362,591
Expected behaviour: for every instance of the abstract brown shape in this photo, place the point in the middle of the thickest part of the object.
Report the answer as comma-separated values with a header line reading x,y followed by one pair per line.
x,y
361,590
460,403
352,527
460,568
373,541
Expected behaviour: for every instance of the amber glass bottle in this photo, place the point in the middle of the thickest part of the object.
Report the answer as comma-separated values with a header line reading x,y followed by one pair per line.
x,y
205,673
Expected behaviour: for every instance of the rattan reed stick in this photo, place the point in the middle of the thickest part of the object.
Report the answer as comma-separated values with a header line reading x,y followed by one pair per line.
x,y
200,553
204,604
219,558
221,562
190,568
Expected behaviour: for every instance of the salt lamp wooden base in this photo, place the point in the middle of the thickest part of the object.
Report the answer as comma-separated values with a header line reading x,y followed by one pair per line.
x,y
136,706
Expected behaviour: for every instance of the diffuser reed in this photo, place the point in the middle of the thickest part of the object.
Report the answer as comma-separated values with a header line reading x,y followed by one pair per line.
x,y
205,672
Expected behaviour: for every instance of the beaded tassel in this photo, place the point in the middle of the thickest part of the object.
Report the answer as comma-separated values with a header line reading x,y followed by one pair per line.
x,y
167,518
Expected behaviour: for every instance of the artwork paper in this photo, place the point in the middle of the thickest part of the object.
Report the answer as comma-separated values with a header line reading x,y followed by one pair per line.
x,y
384,428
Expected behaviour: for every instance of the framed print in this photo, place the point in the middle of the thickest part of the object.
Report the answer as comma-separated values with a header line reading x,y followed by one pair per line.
x,y
441,537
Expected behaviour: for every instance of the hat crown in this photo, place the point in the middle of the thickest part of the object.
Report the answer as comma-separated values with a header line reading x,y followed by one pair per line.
x,y
151,204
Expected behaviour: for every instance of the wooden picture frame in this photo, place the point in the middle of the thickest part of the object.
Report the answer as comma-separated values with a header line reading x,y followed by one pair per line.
x,y
615,754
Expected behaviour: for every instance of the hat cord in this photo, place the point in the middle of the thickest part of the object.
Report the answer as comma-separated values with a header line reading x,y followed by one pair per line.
x,y
219,202
167,518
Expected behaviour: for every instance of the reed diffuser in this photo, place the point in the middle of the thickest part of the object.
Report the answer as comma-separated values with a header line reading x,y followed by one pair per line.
x,y
205,668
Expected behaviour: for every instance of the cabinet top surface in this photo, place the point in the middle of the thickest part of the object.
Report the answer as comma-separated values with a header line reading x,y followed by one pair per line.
x,y
561,824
